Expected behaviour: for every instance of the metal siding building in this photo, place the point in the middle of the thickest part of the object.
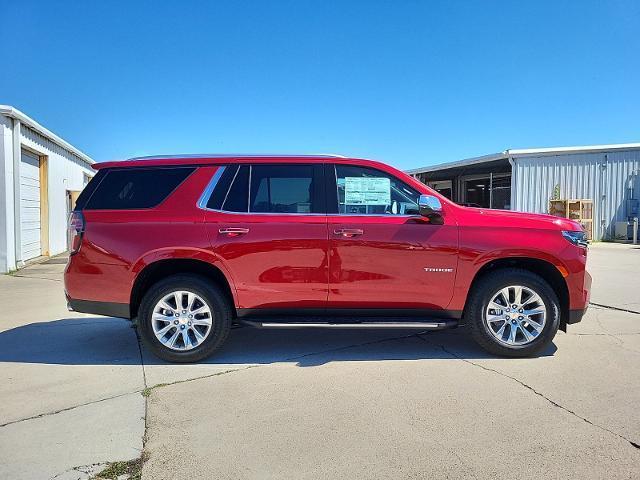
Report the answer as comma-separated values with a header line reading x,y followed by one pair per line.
x,y
609,175
608,178
40,177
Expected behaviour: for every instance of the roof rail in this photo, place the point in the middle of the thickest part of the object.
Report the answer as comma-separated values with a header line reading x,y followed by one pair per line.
x,y
235,155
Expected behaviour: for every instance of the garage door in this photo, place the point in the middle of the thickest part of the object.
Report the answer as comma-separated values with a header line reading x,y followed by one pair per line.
x,y
30,205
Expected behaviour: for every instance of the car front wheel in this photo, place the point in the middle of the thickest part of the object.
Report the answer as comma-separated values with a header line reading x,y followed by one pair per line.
x,y
184,318
513,313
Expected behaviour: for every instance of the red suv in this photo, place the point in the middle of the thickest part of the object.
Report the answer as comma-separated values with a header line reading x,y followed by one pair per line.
x,y
188,245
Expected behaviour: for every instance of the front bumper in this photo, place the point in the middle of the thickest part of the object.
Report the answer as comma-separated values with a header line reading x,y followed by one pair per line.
x,y
575,316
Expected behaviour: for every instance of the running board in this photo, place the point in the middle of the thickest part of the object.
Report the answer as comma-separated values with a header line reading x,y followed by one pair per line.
x,y
432,325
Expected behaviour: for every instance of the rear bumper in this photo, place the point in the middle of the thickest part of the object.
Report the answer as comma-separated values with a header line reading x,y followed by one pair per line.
x,y
108,309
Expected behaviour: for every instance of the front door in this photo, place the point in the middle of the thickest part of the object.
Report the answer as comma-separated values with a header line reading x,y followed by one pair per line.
x,y
269,227
383,255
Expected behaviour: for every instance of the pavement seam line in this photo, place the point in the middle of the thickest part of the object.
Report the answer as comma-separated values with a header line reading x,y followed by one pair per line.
x,y
146,397
528,387
609,307
83,468
66,409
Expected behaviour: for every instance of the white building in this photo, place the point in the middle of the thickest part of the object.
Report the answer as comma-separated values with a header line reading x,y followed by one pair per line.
x,y
40,178
606,177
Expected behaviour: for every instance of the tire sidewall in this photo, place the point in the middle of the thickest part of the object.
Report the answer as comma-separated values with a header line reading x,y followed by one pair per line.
x,y
493,283
216,301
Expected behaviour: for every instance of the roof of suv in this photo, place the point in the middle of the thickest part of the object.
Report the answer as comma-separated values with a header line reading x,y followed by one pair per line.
x,y
200,159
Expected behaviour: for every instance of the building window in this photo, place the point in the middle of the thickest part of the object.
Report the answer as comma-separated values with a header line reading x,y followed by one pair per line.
x,y
492,191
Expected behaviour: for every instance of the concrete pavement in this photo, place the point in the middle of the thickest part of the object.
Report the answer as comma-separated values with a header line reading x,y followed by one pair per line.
x,y
319,404
429,406
615,269
70,383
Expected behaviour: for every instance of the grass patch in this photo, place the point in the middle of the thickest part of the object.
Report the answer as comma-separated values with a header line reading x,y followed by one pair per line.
x,y
147,391
131,468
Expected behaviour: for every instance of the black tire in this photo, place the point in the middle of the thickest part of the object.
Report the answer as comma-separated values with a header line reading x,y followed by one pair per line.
x,y
210,293
479,299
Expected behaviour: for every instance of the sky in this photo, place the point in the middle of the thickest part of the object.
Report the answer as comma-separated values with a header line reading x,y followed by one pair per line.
x,y
411,83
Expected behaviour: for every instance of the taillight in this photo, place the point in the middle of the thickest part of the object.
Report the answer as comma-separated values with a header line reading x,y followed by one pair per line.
x,y
76,229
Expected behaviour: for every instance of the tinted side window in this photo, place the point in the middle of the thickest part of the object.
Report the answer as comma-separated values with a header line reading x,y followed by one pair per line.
x,y
367,191
287,189
88,190
222,187
136,187
237,198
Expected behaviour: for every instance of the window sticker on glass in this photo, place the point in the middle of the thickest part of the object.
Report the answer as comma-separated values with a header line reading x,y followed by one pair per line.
x,y
367,191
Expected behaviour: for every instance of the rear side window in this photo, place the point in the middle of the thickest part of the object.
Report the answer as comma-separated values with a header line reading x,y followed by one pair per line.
x,y
133,188
88,190
237,197
232,190
270,189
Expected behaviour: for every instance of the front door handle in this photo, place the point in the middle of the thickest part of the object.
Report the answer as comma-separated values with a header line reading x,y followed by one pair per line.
x,y
233,231
348,232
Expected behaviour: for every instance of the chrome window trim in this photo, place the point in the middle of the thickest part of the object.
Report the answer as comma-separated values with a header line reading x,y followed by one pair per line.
x,y
267,213
204,198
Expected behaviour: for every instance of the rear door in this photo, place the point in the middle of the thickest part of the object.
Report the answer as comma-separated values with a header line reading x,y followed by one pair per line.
x,y
268,224
383,255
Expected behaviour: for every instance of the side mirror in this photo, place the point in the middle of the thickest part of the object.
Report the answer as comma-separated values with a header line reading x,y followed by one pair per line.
x,y
431,208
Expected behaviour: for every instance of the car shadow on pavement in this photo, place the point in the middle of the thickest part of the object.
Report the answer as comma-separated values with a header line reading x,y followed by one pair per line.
x,y
112,341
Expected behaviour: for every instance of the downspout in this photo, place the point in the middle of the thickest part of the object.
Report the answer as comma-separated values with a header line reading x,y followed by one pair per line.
x,y
490,189
512,162
603,230
17,233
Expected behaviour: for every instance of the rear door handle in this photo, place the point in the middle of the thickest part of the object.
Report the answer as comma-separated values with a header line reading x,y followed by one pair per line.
x,y
233,231
348,232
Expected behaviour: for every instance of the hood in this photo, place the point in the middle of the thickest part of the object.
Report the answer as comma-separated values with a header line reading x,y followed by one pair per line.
x,y
508,218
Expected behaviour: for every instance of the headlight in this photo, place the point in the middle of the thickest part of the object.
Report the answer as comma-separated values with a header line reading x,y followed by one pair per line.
x,y
578,238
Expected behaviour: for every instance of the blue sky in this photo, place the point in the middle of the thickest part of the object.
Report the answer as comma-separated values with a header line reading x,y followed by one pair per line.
x,y
408,82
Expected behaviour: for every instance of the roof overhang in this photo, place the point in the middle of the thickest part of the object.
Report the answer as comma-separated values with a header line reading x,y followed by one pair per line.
x,y
460,163
525,152
9,111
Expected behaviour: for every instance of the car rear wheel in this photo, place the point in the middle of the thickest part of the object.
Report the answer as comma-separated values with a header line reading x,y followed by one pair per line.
x,y
513,313
184,318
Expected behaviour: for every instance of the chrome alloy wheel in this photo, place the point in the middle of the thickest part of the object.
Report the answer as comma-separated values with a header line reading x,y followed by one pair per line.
x,y
181,320
516,315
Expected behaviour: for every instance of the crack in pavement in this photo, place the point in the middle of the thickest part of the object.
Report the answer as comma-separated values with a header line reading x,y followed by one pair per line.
x,y
286,359
88,469
619,341
528,387
145,392
66,409
35,278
